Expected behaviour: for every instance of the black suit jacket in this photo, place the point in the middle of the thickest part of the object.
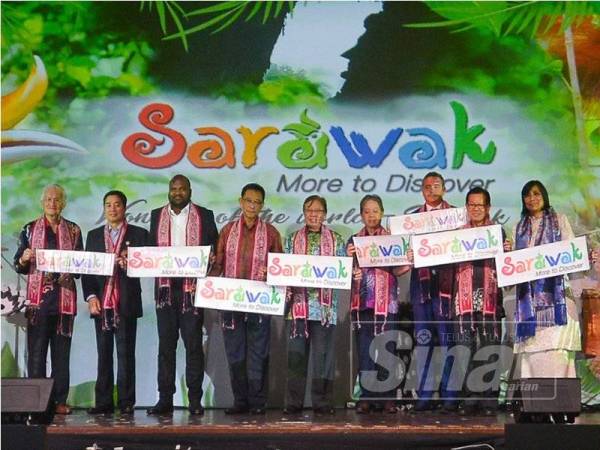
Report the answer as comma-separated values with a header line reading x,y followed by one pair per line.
x,y
209,235
130,304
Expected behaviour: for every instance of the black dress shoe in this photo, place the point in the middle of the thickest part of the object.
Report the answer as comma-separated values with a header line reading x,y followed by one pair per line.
x,y
421,406
390,407
101,410
449,408
196,410
289,410
324,410
127,409
160,408
468,410
489,412
258,411
363,407
237,410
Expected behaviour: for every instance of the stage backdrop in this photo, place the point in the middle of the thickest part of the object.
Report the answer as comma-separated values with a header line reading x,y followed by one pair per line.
x,y
338,99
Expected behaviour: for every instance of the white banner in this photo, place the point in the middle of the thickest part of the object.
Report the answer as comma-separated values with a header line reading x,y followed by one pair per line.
x,y
381,251
72,261
168,261
429,222
542,261
333,272
454,246
232,294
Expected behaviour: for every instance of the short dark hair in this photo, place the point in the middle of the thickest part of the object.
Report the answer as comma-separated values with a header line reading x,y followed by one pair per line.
x,y
527,188
479,190
254,187
119,194
181,177
315,198
371,197
436,175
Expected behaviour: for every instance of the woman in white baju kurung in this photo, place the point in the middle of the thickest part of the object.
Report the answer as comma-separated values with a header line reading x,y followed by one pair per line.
x,y
549,339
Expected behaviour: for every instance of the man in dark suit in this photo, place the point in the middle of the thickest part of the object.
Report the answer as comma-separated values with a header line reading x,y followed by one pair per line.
x,y
115,304
180,223
431,298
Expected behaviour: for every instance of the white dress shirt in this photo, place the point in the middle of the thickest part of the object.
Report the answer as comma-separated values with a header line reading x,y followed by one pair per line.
x,y
178,226
428,207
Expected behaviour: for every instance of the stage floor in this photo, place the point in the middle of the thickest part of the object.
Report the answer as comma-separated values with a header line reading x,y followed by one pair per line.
x,y
344,430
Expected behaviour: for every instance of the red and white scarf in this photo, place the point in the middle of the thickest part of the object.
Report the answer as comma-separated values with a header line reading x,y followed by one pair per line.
x,y
111,297
66,238
445,277
233,258
382,285
464,277
233,248
300,295
193,233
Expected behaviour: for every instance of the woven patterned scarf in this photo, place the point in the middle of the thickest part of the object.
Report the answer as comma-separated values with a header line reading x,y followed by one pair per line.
x,y
38,283
193,233
233,248
464,277
445,278
299,297
233,257
383,279
111,297
540,303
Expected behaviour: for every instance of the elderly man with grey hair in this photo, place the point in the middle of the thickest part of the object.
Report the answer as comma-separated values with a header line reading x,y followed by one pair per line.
x,y
52,296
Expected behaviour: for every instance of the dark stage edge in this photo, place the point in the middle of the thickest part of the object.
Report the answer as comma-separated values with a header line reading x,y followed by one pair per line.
x,y
344,430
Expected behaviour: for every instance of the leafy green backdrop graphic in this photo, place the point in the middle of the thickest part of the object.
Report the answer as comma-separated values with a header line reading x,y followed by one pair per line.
x,y
10,367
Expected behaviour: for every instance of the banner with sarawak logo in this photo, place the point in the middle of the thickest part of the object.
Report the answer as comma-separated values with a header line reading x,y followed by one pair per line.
x,y
230,294
381,251
469,244
542,261
69,261
330,272
112,95
178,262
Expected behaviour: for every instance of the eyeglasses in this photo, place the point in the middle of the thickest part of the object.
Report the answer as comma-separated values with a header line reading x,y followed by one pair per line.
x,y
314,211
476,206
248,201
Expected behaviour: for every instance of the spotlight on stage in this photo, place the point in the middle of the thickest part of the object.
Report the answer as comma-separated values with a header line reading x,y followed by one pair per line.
x,y
545,400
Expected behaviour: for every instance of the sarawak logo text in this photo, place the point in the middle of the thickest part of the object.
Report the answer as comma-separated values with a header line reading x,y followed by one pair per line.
x,y
308,146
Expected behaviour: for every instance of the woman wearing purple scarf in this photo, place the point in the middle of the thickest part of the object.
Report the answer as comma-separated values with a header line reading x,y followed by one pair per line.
x,y
547,324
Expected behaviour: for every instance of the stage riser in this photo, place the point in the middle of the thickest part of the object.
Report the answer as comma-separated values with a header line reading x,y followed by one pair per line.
x,y
337,441
23,437
551,436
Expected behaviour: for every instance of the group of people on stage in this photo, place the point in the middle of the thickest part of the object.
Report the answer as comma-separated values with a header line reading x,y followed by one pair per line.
x,y
449,300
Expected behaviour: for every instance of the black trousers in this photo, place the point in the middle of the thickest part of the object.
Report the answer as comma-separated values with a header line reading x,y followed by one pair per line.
x,y
366,342
321,342
124,337
476,334
247,346
171,323
39,337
